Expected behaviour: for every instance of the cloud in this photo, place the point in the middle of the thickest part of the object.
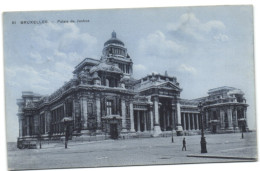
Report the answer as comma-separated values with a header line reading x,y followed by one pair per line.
x,y
74,41
156,44
43,81
139,67
25,77
188,69
36,57
190,27
221,37
56,42
160,51
53,52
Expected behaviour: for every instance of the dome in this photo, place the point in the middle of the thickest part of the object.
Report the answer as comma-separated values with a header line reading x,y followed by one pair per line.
x,y
114,40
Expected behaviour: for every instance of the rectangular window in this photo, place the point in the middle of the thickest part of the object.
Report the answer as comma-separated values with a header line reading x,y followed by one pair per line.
x,y
42,124
90,108
109,107
69,109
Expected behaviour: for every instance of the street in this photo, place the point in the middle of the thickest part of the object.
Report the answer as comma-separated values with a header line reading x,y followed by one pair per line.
x,y
142,151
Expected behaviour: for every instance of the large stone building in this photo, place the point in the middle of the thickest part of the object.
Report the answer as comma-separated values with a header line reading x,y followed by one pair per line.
x,y
103,99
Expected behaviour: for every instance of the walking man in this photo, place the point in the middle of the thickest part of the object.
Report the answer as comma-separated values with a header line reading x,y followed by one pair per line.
x,y
183,144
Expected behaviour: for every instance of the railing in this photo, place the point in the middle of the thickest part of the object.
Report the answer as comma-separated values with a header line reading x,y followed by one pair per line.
x,y
61,90
141,99
227,100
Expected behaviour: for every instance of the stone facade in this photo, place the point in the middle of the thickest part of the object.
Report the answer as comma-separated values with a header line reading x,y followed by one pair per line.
x,y
103,99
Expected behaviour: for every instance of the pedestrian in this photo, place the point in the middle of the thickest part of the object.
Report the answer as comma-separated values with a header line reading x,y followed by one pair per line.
x,y
183,144
66,136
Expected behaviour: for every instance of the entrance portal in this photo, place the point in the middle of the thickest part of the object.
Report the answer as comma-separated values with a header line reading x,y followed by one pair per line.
x,y
214,129
113,131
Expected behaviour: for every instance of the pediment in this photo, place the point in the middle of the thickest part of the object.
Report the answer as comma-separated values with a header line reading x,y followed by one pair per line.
x,y
169,85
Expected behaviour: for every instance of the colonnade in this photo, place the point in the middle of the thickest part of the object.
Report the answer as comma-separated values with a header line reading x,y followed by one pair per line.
x,y
228,117
190,121
142,121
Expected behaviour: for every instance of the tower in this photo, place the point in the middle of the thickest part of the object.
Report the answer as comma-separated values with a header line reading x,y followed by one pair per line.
x,y
114,51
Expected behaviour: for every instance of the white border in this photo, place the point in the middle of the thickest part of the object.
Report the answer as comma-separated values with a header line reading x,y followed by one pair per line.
x,y
46,5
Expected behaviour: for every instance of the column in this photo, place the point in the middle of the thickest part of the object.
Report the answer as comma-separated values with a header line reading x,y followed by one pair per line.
x,y
48,121
184,121
64,107
84,113
178,108
151,116
73,113
193,122
179,112
206,120
229,112
245,116
28,126
45,122
188,120
36,121
168,119
138,121
157,129
173,117
164,121
20,126
145,118
123,115
222,119
77,121
236,122
198,126
98,114
156,112
132,129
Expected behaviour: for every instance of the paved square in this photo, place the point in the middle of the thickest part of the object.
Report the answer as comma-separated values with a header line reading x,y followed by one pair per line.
x,y
142,151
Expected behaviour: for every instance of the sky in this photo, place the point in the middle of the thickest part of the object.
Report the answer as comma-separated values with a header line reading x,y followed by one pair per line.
x,y
204,47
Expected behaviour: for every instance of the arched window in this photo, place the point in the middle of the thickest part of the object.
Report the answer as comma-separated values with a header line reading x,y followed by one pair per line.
x,y
107,82
109,105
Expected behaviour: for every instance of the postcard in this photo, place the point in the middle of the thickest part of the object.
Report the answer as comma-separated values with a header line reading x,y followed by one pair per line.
x,y
129,87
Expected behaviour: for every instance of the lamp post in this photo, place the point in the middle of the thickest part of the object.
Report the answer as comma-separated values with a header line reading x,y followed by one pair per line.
x,y
242,130
172,136
203,142
66,121
66,134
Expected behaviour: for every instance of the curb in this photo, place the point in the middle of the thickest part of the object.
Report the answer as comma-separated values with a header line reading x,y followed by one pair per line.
x,y
223,157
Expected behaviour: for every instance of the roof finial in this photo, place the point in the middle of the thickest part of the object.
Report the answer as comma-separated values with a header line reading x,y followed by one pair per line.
x,y
113,34
166,74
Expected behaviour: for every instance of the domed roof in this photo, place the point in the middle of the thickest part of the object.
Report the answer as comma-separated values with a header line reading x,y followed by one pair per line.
x,y
114,40
106,67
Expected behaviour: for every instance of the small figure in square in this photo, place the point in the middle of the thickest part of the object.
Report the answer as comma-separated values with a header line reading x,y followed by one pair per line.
x,y
183,144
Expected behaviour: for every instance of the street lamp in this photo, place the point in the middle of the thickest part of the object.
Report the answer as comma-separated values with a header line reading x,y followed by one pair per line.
x,y
203,142
243,127
172,136
66,121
